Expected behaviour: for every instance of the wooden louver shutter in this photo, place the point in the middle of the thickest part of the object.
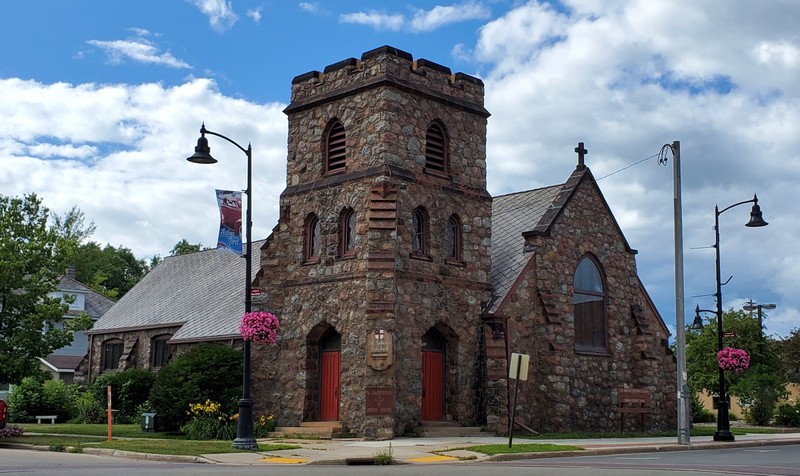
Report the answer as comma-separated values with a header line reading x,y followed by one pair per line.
x,y
435,148
336,148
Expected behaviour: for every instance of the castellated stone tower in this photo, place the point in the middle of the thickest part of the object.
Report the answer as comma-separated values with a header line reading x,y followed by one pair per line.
x,y
379,266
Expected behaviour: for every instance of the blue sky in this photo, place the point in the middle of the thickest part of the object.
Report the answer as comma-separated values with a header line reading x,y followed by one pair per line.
x,y
100,102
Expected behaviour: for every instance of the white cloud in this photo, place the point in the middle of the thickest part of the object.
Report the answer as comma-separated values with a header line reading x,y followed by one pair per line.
x,y
220,13
138,182
782,53
311,7
139,50
255,14
376,20
439,15
422,20
69,151
628,78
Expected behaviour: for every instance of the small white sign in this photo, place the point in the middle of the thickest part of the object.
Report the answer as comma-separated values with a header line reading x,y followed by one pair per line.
x,y
519,361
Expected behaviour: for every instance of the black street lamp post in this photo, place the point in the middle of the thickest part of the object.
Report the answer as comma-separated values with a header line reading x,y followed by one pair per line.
x,y
723,432
751,306
202,155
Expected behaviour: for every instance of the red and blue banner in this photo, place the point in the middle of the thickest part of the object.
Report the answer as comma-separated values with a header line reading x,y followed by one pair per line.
x,y
230,226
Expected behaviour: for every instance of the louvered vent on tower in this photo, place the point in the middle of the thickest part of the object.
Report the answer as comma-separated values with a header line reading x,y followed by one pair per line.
x,y
336,151
435,148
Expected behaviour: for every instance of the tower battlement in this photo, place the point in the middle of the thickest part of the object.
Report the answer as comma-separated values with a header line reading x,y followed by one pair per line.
x,y
382,66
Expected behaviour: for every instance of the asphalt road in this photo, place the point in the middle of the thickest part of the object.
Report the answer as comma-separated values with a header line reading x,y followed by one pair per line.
x,y
773,461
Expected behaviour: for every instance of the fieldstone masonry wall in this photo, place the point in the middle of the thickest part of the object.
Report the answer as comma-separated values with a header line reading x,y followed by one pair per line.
x,y
577,391
386,101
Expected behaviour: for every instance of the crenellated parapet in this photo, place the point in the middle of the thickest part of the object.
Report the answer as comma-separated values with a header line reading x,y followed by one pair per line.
x,y
387,66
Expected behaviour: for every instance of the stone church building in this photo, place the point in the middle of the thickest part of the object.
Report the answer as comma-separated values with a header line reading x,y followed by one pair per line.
x,y
403,287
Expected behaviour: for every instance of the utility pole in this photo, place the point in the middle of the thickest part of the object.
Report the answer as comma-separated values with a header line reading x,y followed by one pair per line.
x,y
680,326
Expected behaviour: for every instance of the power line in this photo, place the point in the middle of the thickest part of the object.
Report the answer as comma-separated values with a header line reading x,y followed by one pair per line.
x,y
628,166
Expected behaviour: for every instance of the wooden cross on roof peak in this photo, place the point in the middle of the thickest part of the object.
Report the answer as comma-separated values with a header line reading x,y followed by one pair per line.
x,y
582,152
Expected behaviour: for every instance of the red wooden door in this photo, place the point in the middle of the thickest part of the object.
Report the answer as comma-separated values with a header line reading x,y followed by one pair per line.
x,y
329,386
432,386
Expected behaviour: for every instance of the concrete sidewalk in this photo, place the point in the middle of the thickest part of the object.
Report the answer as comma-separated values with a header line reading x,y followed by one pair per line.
x,y
449,450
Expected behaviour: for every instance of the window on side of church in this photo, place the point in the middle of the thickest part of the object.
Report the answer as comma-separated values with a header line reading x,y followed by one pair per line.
x,y
159,351
335,152
589,301
454,238
347,232
436,148
312,237
112,351
419,232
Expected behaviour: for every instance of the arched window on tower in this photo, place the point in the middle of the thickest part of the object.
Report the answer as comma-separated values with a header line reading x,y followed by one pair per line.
x,y
419,232
436,148
312,238
347,232
454,244
335,147
589,304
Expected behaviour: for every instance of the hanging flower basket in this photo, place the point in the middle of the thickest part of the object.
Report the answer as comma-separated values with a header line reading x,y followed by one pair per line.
x,y
732,359
260,327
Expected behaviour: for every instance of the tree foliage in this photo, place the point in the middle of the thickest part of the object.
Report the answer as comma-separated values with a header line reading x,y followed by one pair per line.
x,y
33,254
109,270
790,355
182,247
759,387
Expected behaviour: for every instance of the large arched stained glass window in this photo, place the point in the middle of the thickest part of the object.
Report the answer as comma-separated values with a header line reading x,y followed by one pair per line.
x,y
589,302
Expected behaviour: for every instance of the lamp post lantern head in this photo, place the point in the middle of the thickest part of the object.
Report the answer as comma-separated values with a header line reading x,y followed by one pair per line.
x,y
202,153
756,219
698,321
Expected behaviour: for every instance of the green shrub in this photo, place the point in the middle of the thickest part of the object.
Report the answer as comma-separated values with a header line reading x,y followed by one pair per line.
x,y
34,396
208,422
788,414
204,372
130,388
699,412
86,409
263,426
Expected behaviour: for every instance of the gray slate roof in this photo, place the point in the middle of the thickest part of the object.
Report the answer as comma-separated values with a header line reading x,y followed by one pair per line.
x,y
512,215
203,291
95,304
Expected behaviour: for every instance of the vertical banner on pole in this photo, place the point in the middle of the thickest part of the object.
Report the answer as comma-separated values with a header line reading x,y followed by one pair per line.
x,y
109,413
230,221
517,370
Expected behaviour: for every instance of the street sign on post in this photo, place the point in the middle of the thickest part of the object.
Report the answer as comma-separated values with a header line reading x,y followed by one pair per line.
x,y
519,367
517,370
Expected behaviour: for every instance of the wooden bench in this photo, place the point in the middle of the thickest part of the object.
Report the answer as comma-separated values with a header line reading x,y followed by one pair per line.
x,y
52,418
634,401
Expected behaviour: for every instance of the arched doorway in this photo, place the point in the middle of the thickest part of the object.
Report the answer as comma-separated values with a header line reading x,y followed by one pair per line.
x,y
433,371
330,350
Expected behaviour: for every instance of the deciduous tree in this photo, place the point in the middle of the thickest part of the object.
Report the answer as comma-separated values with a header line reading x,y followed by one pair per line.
x,y
34,252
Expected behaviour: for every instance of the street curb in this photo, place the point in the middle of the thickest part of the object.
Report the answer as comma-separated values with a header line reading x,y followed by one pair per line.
x,y
643,449
148,456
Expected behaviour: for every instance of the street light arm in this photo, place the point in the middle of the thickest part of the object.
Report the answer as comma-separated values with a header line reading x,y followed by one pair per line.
x,y
203,131
752,200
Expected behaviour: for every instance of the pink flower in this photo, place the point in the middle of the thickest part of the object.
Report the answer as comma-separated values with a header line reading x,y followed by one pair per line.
x,y
260,327
733,359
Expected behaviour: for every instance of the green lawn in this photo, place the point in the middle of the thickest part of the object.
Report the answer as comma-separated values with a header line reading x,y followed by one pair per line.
x,y
696,431
99,429
521,448
124,437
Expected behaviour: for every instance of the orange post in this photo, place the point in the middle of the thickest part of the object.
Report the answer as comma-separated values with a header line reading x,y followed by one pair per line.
x,y
109,413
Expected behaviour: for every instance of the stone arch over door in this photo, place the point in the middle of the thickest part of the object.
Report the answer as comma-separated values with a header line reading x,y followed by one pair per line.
x,y
323,356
